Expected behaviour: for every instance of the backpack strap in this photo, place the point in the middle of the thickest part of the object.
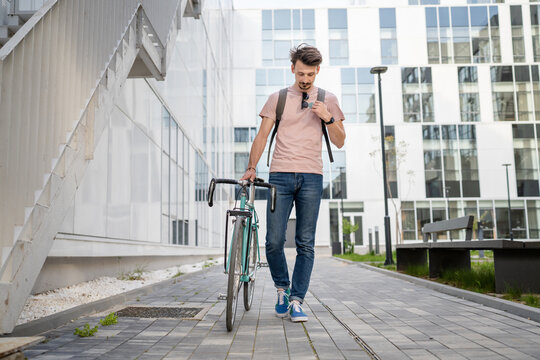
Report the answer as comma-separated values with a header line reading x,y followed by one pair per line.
x,y
321,94
279,111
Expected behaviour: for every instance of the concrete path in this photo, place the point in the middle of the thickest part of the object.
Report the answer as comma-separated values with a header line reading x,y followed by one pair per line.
x,y
354,313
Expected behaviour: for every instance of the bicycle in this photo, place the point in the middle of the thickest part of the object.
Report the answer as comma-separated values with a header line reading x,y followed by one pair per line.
x,y
244,256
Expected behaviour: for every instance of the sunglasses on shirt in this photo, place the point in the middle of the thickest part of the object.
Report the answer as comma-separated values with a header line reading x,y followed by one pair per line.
x,y
305,104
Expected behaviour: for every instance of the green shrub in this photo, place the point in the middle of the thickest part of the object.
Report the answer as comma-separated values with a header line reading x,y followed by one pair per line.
x,y
86,331
369,257
110,319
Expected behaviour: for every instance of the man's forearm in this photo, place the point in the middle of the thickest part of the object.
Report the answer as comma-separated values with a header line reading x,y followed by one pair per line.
x,y
336,133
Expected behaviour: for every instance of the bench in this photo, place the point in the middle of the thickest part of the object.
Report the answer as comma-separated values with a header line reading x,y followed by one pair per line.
x,y
517,263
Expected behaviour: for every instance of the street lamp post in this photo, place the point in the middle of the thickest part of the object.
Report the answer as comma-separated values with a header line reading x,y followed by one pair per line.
x,y
388,241
509,206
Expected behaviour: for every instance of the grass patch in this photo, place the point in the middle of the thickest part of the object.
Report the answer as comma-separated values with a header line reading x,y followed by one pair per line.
x,y
369,257
480,278
418,271
531,300
179,273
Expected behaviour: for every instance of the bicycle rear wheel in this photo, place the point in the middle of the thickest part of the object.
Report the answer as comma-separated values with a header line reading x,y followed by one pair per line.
x,y
235,270
252,254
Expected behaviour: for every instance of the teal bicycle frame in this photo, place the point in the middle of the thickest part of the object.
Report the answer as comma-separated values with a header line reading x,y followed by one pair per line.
x,y
251,227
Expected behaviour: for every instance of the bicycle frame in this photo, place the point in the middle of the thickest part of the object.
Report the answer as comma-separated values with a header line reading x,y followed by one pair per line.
x,y
252,224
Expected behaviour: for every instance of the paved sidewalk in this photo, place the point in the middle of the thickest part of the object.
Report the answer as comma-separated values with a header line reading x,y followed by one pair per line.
x,y
391,318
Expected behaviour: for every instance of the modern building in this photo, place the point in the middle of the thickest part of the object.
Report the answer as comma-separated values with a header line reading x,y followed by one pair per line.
x,y
113,116
459,101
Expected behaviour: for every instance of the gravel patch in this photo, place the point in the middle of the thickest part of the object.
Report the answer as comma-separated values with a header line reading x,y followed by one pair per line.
x,y
53,301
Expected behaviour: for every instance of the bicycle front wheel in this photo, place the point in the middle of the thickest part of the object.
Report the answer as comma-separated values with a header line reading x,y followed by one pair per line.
x,y
252,254
235,270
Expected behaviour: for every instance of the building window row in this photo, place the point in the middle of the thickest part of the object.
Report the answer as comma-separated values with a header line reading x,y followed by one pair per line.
x,y
469,98
244,134
493,215
463,34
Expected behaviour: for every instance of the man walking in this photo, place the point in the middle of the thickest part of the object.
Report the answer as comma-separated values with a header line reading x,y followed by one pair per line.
x,y
296,171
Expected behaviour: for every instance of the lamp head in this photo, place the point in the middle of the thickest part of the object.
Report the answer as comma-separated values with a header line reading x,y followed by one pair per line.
x,y
378,69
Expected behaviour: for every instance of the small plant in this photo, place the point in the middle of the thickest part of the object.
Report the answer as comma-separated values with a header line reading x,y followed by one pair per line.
x,y
531,300
348,229
86,331
138,299
179,273
136,274
110,319
512,292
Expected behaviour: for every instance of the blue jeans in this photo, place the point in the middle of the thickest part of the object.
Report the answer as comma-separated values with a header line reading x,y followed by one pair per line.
x,y
305,191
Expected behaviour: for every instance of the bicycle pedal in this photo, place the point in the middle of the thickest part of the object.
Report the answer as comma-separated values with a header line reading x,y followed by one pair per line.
x,y
222,297
263,264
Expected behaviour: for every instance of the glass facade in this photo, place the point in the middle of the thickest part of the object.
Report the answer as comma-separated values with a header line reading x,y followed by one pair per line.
x,y
283,28
338,43
358,95
463,34
535,31
334,175
417,94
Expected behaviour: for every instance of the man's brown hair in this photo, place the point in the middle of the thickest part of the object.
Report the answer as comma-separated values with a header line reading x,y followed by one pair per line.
x,y
307,54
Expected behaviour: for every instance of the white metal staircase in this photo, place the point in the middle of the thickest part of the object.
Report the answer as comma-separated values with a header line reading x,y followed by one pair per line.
x,y
60,74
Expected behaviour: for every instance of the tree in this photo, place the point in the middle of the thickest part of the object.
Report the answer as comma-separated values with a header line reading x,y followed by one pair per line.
x,y
395,155
348,229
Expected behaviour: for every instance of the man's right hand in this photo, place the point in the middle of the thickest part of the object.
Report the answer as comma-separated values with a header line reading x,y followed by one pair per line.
x,y
250,174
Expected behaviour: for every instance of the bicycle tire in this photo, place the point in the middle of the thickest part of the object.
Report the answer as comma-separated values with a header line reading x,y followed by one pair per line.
x,y
249,287
235,269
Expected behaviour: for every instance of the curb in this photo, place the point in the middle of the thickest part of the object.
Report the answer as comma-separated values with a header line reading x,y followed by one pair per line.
x,y
53,321
486,300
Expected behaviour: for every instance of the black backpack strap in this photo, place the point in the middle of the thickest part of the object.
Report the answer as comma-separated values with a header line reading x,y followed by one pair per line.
x,y
321,94
279,111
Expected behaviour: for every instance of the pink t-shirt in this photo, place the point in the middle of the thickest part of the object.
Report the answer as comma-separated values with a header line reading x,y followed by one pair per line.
x,y
299,137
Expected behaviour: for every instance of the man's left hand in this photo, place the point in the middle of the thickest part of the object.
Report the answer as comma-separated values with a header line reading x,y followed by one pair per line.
x,y
320,109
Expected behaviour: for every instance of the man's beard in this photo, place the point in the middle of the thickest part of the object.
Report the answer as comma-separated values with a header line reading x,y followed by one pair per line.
x,y
304,86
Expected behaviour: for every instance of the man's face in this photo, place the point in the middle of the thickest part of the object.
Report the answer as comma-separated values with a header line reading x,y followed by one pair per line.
x,y
304,75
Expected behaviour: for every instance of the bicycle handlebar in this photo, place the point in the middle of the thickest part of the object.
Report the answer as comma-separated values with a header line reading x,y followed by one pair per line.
x,y
258,182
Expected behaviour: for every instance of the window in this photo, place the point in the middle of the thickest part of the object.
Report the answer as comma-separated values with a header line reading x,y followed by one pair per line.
x,y
244,134
450,161
469,101
535,30
282,29
391,161
516,92
358,95
334,176
526,160
517,215
518,44
338,37
387,20
451,36
417,94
